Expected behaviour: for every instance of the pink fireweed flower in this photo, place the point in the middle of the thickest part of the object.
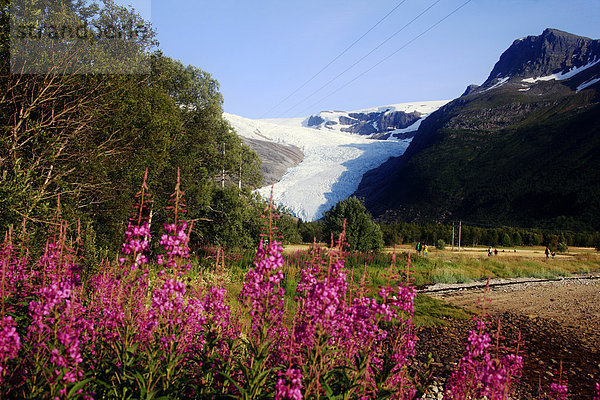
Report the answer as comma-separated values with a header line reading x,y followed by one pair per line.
x,y
262,293
57,264
175,243
10,343
137,242
137,235
289,385
479,374
13,271
322,303
59,329
107,307
218,312
559,391
597,396
168,302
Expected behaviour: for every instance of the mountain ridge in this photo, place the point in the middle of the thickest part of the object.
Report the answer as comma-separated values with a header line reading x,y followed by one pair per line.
x,y
507,124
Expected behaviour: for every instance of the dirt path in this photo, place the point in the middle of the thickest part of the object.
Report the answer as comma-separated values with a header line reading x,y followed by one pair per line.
x,y
558,321
570,303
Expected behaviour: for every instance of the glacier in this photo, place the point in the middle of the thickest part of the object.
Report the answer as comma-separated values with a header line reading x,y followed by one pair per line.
x,y
334,161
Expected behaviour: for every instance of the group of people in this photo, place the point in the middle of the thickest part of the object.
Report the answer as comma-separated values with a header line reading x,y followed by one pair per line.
x,y
422,249
492,251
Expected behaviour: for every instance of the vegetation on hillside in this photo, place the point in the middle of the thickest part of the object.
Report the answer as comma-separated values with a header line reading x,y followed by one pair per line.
x,y
499,157
83,141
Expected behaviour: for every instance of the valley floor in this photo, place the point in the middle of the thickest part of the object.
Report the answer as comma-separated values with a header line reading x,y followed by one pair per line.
x,y
558,321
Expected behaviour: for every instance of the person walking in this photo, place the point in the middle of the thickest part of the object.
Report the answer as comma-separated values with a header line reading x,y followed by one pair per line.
x,y
547,251
418,248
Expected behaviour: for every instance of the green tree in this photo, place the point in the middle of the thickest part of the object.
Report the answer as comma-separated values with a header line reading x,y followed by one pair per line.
x,y
230,220
506,242
517,239
55,139
311,231
562,247
551,241
361,232
89,137
287,225
391,234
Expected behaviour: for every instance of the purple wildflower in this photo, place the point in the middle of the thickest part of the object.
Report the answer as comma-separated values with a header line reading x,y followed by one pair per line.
x,y
137,241
137,235
479,374
289,385
322,303
559,391
10,343
175,243
262,292
168,303
58,331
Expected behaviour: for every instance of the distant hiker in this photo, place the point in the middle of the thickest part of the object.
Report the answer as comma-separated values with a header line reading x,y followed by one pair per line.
x,y
418,248
553,254
495,252
547,252
425,250
490,251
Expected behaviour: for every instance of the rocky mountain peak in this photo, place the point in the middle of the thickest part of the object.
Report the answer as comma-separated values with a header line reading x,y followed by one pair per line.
x,y
552,52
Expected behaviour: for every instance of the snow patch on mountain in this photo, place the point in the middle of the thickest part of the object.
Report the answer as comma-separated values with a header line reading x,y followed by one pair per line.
x,y
345,121
501,81
588,84
563,75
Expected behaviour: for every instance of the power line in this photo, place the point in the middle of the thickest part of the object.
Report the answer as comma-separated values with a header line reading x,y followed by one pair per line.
x,y
335,59
390,55
363,57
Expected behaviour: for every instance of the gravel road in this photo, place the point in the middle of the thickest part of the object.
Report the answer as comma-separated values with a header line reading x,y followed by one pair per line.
x,y
558,321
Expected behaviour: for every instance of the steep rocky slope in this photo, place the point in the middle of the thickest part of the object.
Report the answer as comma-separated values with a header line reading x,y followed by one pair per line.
x,y
276,158
523,148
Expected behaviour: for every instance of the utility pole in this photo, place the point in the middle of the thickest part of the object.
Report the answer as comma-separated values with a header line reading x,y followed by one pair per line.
x,y
452,235
240,177
459,233
223,166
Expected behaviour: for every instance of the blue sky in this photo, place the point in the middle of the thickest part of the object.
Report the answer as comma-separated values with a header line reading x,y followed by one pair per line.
x,y
262,51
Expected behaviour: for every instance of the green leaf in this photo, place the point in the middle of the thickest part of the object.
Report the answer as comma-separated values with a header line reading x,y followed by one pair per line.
x,y
77,386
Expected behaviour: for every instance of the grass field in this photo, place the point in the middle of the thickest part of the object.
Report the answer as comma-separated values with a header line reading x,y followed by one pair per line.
x,y
439,266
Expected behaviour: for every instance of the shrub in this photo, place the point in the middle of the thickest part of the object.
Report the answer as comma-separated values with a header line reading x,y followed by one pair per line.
x,y
361,232
562,247
440,244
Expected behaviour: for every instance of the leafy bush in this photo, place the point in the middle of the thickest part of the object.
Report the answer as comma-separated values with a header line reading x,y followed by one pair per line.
x,y
361,232
440,244
562,247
